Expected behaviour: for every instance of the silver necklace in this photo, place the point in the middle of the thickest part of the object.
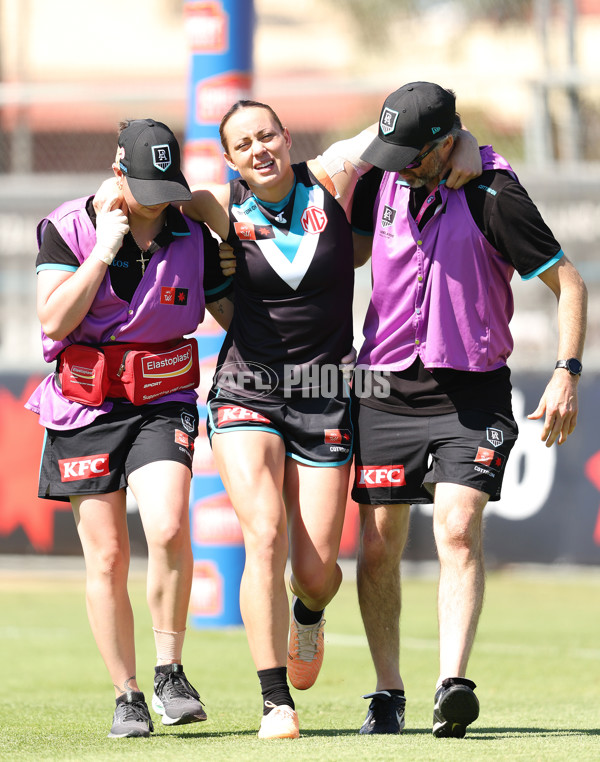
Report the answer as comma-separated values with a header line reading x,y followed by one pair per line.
x,y
150,250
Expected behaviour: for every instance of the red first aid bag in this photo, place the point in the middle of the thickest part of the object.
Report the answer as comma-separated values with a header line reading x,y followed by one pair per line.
x,y
83,374
146,375
90,374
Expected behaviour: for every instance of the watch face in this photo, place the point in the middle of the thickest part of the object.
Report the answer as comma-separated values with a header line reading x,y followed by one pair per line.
x,y
574,366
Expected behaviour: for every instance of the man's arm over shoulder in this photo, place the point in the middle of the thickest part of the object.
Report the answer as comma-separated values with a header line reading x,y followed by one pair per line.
x,y
343,165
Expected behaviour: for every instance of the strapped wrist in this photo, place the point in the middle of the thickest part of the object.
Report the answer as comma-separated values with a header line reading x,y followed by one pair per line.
x,y
103,254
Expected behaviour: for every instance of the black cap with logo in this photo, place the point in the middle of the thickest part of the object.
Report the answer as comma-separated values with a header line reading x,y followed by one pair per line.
x,y
149,157
411,117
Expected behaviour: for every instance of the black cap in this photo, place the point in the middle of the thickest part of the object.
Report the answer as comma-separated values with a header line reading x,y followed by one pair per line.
x,y
411,117
149,157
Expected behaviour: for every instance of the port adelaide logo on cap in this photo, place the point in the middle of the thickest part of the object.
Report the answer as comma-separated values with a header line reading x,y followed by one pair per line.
x,y
161,157
388,120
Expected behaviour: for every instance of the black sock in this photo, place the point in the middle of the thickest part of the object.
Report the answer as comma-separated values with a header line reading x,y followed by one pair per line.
x,y
304,615
395,691
274,688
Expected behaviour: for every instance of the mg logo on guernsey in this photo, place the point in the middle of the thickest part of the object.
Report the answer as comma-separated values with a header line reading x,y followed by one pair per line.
x,y
89,467
236,414
380,476
314,220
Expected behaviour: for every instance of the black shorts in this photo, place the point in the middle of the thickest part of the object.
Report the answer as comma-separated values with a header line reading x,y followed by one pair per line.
x,y
98,458
400,458
316,431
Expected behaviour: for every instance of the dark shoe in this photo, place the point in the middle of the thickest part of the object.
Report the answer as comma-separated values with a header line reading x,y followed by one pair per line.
x,y
385,715
456,706
174,698
131,718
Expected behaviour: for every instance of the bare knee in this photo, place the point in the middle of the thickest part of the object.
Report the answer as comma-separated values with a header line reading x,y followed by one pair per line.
x,y
266,545
316,582
373,548
380,547
459,534
169,536
108,565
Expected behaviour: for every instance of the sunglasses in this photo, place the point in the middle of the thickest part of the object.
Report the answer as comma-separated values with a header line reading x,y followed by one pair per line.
x,y
418,160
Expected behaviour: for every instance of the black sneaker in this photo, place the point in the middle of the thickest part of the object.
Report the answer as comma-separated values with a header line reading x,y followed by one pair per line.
x,y
131,718
174,697
385,715
456,706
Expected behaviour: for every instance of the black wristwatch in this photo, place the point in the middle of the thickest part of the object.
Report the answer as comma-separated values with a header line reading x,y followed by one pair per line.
x,y
572,365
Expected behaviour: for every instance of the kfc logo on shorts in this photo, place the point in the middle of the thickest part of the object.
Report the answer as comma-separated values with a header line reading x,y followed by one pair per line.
x,y
90,467
337,436
231,414
380,476
491,458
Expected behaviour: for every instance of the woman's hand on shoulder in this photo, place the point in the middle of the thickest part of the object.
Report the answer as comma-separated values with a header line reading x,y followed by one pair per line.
x,y
465,160
109,191
227,259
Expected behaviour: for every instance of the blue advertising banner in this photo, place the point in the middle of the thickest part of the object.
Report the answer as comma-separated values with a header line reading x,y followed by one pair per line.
x,y
219,34
549,512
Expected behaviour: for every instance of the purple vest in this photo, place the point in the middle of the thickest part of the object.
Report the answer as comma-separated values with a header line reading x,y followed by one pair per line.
x,y
154,314
442,293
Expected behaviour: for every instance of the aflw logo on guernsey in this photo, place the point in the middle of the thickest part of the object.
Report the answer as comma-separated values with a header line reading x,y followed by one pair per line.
x,y
314,220
172,295
249,232
380,476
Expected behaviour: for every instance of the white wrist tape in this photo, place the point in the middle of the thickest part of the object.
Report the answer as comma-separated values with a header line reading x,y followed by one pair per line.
x,y
104,255
332,160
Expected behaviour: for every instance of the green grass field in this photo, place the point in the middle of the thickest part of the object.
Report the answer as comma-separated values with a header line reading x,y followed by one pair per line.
x,y
536,662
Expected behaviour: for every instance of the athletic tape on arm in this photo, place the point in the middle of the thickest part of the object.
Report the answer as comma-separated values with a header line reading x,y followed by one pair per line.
x,y
332,160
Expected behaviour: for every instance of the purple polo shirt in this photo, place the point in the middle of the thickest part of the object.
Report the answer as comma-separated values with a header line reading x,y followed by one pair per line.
x,y
155,314
442,293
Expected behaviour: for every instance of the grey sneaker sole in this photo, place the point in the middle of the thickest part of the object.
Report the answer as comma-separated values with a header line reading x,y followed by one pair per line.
x,y
185,718
130,734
